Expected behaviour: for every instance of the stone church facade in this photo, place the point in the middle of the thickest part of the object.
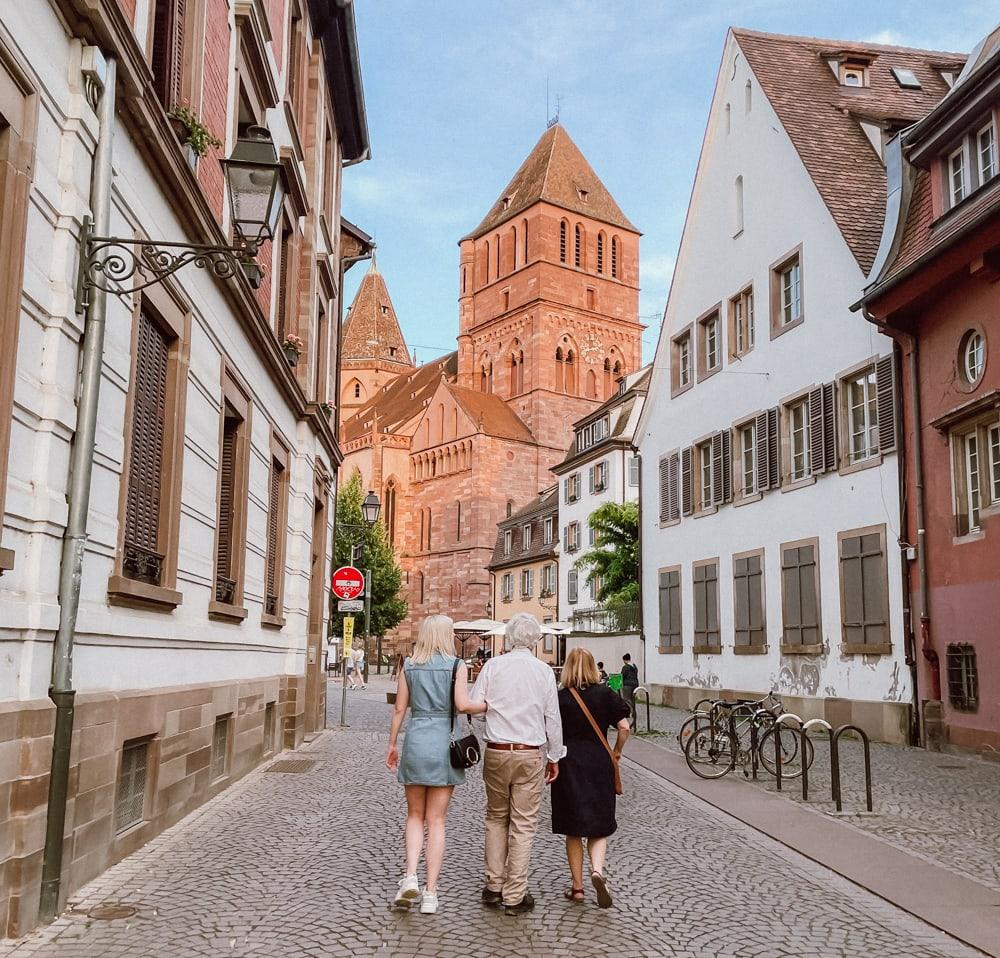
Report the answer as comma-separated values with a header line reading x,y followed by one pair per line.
x,y
548,303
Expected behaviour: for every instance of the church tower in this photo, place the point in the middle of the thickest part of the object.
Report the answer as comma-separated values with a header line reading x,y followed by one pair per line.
x,y
549,293
373,351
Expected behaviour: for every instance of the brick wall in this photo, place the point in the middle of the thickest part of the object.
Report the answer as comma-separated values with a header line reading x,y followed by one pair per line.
x,y
215,99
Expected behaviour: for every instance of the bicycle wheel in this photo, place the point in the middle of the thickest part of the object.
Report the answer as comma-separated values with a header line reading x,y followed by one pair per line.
x,y
788,751
690,726
710,752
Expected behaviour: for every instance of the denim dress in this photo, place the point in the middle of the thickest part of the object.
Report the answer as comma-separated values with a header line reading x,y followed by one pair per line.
x,y
424,758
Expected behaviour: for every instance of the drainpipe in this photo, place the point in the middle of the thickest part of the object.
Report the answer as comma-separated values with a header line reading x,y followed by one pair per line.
x,y
642,622
78,500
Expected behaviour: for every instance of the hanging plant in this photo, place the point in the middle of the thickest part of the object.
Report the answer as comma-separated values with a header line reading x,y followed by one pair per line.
x,y
195,133
292,347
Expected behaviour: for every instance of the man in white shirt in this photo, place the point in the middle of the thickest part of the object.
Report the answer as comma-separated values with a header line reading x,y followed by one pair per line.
x,y
522,721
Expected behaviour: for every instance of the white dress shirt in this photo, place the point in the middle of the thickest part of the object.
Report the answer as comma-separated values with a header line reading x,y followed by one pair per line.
x,y
520,691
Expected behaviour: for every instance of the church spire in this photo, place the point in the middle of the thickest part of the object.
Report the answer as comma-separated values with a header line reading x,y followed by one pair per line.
x,y
371,329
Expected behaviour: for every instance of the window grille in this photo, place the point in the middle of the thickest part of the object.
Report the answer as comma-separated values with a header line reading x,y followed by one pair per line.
x,y
130,800
963,677
220,747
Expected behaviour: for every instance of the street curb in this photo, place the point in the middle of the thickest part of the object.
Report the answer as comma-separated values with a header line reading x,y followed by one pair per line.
x,y
962,908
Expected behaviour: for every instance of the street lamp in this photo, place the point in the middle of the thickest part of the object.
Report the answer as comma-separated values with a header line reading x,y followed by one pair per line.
x,y
254,182
370,508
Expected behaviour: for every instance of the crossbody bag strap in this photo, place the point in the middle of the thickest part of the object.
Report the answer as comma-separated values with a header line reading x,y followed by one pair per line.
x,y
454,674
593,724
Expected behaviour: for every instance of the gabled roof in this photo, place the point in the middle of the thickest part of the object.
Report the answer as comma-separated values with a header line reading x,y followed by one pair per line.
x,y
822,117
371,328
491,413
555,172
544,505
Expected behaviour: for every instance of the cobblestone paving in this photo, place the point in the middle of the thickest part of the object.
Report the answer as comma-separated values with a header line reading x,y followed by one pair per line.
x,y
938,806
303,864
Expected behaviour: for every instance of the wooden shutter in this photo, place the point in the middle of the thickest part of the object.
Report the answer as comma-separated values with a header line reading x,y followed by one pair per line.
x,y
591,480
727,465
273,516
670,610
773,450
177,54
665,489
717,464
281,324
673,486
227,497
167,53
885,402
664,608
741,601
799,596
822,429
687,481
862,569
760,438
142,512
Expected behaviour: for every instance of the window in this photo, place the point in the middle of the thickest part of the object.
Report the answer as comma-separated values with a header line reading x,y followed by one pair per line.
x,y
729,120
598,477
547,530
710,333
738,225
591,533
706,475
220,747
571,536
562,241
573,487
790,290
741,327
748,97
572,586
747,435
995,463
670,609
853,74
970,453
269,726
907,79
130,796
596,587
578,245
958,182
972,356
508,538
389,510
297,62
976,452
680,368
798,440
669,488
862,416
986,150
548,580
963,677
166,53
600,253
234,461
458,520
633,470
614,257
526,537
748,602
705,576
277,526
547,644
592,434
524,231
527,583
800,609
864,603
507,587
357,390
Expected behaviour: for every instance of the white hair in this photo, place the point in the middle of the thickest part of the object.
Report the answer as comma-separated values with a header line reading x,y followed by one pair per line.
x,y
522,631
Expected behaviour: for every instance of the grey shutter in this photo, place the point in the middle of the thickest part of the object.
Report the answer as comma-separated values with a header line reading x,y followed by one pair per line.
x,y
727,466
664,598
590,480
674,583
773,450
830,425
817,425
755,597
717,486
712,602
687,492
799,599
852,580
673,487
665,489
761,452
741,596
700,605
885,402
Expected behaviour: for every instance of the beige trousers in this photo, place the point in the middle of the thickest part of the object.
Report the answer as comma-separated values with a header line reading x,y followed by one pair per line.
x,y
514,785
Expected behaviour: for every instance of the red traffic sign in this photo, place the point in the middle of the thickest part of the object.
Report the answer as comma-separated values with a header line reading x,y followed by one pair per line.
x,y
348,582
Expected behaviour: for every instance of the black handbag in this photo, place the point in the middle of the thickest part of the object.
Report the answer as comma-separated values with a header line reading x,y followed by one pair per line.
x,y
463,752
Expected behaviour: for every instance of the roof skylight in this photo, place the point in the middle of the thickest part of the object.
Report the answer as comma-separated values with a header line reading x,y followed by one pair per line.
x,y
906,78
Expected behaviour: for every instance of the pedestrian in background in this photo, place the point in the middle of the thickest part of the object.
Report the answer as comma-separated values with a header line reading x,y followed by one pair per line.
x,y
359,666
603,674
630,682
353,675
427,681
584,794
523,747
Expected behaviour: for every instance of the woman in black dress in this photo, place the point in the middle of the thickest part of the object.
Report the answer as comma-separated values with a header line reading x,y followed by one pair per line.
x,y
583,794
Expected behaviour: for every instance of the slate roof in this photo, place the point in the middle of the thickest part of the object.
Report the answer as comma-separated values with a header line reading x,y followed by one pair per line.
x,y
544,505
555,172
822,117
371,328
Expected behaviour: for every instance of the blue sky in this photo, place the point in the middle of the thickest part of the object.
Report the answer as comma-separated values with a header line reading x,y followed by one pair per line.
x,y
456,98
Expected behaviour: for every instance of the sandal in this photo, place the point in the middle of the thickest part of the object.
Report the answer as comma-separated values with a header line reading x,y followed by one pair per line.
x,y
601,887
574,894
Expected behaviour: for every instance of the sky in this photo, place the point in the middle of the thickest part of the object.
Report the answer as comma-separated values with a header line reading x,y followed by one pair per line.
x,y
455,92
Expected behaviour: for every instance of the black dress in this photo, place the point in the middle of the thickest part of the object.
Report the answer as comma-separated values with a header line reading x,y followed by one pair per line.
x,y
583,794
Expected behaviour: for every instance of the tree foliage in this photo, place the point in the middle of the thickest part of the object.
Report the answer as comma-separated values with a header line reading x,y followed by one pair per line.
x,y
388,607
614,558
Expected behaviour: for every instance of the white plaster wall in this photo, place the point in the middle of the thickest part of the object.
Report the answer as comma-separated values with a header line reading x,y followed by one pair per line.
x,y
119,648
782,210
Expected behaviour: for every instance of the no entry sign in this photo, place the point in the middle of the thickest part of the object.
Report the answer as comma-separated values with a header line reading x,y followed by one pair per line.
x,y
348,582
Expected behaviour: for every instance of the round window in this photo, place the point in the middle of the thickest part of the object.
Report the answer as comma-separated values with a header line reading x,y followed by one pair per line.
x,y
973,356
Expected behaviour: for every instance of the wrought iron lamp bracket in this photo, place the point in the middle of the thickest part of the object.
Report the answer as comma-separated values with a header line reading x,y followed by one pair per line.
x,y
122,266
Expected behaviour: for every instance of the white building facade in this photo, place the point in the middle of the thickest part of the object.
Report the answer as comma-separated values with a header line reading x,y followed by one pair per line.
x,y
770,506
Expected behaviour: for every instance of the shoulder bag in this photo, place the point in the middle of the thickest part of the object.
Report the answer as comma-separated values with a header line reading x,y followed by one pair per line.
x,y
464,752
603,738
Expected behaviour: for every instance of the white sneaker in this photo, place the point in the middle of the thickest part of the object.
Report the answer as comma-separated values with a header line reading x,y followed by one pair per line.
x,y
409,891
429,903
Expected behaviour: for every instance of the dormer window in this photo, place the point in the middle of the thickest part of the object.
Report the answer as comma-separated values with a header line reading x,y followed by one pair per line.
x,y
392,351
907,79
385,310
582,193
958,177
506,202
986,152
853,74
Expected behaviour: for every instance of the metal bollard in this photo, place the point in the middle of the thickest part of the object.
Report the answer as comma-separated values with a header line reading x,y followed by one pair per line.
x,y
803,737
778,722
645,691
835,764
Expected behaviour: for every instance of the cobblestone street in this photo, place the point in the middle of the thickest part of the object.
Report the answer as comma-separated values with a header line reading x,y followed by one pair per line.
x,y
303,865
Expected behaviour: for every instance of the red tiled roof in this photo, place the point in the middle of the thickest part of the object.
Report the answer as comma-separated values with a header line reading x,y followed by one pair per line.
x,y
496,417
821,118
555,172
371,329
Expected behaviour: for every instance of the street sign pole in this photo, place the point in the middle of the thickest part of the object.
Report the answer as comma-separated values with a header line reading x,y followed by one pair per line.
x,y
368,619
348,634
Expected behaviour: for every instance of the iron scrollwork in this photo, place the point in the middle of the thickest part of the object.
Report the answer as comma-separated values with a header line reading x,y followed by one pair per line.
x,y
121,266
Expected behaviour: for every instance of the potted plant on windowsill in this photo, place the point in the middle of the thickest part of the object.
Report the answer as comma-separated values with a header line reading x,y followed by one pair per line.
x,y
292,348
196,138
328,408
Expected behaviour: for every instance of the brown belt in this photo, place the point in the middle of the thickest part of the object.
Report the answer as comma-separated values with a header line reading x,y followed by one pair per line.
x,y
512,746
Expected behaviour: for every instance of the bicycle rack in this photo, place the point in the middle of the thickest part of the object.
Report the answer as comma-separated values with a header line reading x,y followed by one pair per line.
x,y
835,764
645,691
780,720
803,735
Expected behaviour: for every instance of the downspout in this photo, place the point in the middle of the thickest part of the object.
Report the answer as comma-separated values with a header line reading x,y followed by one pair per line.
x,y
642,631
78,501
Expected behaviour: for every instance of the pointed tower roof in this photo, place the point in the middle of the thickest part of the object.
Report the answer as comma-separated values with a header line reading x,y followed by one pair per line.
x,y
555,172
371,329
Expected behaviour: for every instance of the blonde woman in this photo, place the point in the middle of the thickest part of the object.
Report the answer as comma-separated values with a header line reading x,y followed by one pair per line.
x,y
583,794
425,687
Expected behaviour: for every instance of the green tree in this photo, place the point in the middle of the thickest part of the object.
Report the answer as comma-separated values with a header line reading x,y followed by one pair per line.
x,y
614,559
388,607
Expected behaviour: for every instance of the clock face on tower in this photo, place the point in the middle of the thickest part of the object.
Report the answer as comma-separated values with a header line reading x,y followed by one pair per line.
x,y
592,348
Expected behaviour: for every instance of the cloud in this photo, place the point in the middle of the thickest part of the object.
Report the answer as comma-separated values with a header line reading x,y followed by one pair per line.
x,y
385,190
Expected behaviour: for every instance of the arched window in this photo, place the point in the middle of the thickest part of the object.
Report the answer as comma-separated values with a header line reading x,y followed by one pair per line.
x,y
591,384
516,371
510,508
513,248
463,279
454,421
614,256
447,460
571,383
562,241
524,241
357,390
486,268
389,510
560,371
617,373
600,252
739,204
748,102
427,432
440,422
498,256
578,245
607,379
